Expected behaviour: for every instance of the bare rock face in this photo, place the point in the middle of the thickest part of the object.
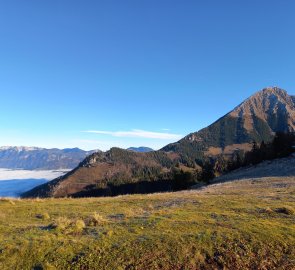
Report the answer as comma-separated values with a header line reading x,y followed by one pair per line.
x,y
269,105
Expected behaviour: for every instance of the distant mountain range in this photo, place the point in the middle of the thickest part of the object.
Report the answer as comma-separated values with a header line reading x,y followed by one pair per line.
x,y
34,158
141,149
256,119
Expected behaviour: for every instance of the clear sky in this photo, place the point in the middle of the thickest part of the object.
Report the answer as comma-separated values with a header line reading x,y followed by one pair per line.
x,y
96,74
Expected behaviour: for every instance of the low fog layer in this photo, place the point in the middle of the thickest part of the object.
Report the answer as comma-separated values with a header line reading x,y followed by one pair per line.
x,y
15,182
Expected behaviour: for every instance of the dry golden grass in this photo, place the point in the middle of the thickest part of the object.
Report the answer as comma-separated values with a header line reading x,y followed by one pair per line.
x,y
236,225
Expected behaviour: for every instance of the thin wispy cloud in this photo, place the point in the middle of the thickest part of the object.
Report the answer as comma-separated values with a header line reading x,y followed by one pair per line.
x,y
100,143
137,133
90,141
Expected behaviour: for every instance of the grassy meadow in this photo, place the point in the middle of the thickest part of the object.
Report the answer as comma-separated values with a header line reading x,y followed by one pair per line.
x,y
247,224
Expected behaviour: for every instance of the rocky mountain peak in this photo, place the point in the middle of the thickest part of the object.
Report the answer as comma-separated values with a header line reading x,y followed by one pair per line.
x,y
265,97
257,118
272,94
273,91
267,104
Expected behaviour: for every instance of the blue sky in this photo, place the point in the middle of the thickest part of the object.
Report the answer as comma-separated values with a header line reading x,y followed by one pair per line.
x,y
135,72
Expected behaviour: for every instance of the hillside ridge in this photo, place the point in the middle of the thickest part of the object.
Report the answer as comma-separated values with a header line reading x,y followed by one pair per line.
x,y
257,119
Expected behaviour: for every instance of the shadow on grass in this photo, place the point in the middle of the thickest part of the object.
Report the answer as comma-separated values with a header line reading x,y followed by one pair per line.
x,y
143,187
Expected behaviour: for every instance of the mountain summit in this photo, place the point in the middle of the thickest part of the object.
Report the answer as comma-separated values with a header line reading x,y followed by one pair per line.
x,y
272,105
121,171
256,119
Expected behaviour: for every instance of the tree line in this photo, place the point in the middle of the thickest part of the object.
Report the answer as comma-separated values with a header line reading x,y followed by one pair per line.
x,y
281,146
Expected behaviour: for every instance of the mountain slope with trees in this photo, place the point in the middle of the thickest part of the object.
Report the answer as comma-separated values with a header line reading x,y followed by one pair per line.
x,y
256,119
193,158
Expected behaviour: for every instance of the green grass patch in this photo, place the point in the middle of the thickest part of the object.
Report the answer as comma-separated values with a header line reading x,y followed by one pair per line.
x,y
229,226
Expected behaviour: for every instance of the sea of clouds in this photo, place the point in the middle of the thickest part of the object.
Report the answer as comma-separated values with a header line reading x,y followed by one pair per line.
x,y
15,182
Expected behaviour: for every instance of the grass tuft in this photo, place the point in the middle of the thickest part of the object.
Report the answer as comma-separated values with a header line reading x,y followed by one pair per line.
x,y
44,216
95,220
68,226
61,224
79,226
